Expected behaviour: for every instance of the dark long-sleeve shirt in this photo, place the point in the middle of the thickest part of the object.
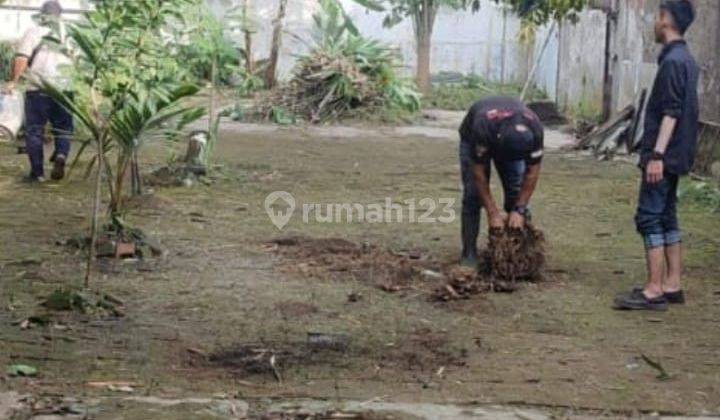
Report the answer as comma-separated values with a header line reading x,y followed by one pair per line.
x,y
674,94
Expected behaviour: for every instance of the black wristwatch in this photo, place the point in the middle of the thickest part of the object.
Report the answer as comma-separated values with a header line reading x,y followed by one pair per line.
x,y
521,210
657,155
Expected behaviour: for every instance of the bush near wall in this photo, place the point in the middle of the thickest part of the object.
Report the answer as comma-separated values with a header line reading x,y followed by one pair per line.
x,y
7,52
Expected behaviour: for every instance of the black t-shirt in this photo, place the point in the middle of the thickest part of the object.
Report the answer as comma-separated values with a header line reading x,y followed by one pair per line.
x,y
486,126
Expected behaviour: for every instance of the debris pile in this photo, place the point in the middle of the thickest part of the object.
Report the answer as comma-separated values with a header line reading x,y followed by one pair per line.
x,y
84,302
117,240
512,255
516,254
620,134
343,74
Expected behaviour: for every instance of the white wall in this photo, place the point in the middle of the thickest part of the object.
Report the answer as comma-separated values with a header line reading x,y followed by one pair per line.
x,y
13,23
462,42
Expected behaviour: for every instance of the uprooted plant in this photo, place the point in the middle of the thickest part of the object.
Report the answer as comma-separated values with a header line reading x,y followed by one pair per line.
x,y
126,91
343,73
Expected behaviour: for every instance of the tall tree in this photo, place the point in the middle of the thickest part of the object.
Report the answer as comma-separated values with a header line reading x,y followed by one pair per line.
x,y
271,71
422,13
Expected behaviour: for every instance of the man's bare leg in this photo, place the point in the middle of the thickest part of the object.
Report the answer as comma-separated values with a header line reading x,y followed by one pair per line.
x,y
673,255
656,272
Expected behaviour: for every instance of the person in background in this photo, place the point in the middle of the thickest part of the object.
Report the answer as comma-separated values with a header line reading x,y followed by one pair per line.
x,y
667,152
38,59
506,132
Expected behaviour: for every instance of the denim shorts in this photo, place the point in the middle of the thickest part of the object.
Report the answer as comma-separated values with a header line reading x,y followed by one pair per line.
x,y
656,218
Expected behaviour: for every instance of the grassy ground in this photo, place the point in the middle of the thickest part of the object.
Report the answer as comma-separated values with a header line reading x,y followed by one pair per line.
x,y
460,93
553,344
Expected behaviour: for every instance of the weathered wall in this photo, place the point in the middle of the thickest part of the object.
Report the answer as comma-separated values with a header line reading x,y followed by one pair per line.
x,y
633,56
581,64
635,52
704,38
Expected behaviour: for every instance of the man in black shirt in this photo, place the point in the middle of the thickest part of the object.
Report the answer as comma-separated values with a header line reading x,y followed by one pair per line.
x,y
505,131
667,152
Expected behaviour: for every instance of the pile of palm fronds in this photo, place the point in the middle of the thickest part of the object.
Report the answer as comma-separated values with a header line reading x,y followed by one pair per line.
x,y
516,254
343,73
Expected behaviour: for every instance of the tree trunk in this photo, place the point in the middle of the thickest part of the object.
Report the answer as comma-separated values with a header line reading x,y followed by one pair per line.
x,y
423,62
96,199
271,71
424,21
249,61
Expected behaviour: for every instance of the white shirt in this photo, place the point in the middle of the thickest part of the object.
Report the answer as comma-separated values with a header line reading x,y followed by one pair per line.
x,y
48,62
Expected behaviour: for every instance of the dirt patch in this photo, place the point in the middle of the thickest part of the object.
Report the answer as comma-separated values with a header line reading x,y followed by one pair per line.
x,y
294,309
327,415
148,202
422,350
512,256
336,257
270,359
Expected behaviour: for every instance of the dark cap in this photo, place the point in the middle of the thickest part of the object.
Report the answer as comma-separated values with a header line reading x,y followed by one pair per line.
x,y
51,8
682,11
513,143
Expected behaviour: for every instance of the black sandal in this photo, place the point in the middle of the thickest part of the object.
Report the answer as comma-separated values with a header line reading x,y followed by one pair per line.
x,y
637,301
674,298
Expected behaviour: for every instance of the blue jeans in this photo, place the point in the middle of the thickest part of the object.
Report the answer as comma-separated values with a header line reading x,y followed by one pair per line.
x,y
656,217
39,110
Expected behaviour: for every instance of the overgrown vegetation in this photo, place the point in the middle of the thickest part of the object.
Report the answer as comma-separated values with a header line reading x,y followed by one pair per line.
x,y
127,90
125,79
458,92
343,73
7,52
204,46
539,12
705,194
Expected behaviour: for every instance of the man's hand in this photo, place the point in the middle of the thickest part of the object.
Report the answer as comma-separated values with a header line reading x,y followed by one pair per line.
x,y
654,171
516,221
497,220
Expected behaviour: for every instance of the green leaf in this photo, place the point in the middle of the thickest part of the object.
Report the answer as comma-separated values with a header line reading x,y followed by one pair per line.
x,y
21,370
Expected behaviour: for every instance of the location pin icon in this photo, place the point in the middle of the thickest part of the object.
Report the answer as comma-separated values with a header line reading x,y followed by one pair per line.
x,y
279,216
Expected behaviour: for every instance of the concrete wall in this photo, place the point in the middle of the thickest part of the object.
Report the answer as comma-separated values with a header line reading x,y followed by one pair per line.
x,y
462,42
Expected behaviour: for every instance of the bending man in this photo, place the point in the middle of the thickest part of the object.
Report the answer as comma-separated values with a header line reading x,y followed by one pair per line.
x,y
506,132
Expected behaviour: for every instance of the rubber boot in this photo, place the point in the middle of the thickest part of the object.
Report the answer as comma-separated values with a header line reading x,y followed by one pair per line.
x,y
470,231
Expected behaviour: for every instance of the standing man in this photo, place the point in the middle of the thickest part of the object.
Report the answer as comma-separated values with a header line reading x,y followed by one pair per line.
x,y
38,59
505,131
667,152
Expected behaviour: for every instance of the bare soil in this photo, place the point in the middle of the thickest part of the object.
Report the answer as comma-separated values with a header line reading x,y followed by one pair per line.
x,y
193,319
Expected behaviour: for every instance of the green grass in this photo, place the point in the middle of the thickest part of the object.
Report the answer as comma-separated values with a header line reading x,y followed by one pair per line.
x,y
458,93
